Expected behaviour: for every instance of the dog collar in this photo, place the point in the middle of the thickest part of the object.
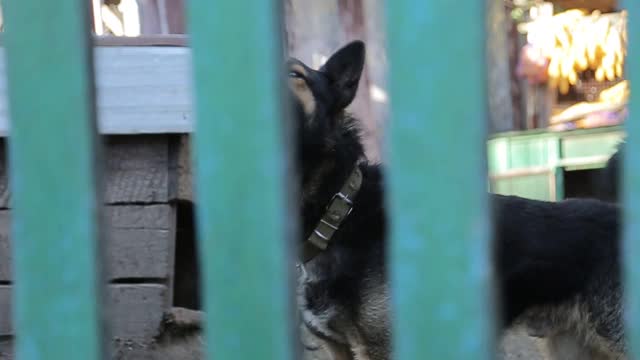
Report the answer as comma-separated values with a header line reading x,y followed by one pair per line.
x,y
339,208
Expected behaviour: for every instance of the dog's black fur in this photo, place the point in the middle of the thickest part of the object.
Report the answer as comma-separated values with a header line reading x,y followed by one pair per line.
x,y
608,178
548,252
551,259
328,148
556,264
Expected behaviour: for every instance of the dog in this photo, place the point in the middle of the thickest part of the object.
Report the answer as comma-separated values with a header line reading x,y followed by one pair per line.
x,y
607,179
589,327
556,263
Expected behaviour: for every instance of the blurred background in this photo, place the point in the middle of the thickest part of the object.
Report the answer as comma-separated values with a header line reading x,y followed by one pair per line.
x,y
555,75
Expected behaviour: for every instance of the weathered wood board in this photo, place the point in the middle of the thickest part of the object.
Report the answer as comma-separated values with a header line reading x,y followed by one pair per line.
x,y
134,311
139,220
6,259
136,170
183,171
139,89
5,310
140,242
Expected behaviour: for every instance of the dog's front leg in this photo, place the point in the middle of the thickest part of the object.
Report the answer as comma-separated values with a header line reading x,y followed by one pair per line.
x,y
357,345
316,348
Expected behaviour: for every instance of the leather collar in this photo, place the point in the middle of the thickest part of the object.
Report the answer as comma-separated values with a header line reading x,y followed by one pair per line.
x,y
338,210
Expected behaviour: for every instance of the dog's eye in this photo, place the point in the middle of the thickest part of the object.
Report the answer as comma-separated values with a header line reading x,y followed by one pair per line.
x,y
295,75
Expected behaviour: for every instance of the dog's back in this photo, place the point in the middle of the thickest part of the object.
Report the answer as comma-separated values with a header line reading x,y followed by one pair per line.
x,y
558,264
608,181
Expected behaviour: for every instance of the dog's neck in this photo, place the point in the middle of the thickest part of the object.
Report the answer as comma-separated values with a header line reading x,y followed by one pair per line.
x,y
324,181
326,172
337,211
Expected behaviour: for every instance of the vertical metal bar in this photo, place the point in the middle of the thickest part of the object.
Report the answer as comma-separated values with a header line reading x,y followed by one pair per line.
x,y
631,183
55,205
240,178
440,234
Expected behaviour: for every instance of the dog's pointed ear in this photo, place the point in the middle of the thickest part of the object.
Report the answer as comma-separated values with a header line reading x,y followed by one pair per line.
x,y
344,69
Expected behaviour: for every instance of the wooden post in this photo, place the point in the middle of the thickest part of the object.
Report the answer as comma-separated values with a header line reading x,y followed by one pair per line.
x,y
175,16
240,178
440,234
631,186
53,181
149,17
501,112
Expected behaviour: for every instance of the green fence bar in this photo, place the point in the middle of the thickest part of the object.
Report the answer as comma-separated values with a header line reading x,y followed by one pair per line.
x,y
51,152
239,178
631,249
439,226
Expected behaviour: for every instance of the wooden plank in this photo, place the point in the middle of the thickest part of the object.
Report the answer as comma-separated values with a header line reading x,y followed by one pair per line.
x,y
439,250
6,256
242,227
143,40
140,90
143,89
55,223
4,176
140,253
6,325
141,217
140,242
136,170
631,187
135,311
181,168
602,5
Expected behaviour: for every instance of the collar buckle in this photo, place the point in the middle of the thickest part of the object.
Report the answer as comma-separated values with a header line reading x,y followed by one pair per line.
x,y
339,208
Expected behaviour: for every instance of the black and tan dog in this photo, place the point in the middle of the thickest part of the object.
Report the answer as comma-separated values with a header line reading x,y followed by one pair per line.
x,y
557,264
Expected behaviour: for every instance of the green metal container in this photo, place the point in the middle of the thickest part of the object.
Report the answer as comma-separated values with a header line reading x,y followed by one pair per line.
x,y
549,165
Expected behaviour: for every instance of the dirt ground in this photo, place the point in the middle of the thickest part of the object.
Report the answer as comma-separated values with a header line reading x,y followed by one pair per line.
x,y
514,346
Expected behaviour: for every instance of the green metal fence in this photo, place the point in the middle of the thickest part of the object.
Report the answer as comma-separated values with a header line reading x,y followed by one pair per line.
x,y
53,139
241,222
631,187
440,288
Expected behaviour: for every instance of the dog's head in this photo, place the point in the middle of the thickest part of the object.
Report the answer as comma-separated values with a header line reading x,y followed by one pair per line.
x,y
319,97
